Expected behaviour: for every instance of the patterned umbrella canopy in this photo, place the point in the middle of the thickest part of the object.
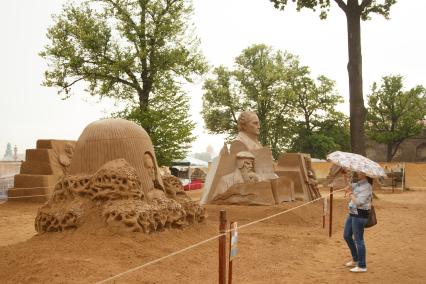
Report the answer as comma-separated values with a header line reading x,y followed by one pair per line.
x,y
356,163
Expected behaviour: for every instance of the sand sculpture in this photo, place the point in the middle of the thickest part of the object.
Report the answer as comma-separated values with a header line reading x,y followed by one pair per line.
x,y
298,168
244,173
43,167
114,175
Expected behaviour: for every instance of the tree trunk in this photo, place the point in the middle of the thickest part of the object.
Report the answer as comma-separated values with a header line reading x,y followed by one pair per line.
x,y
389,154
144,92
356,100
143,95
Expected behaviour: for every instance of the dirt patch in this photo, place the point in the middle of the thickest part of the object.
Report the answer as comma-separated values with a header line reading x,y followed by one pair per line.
x,y
290,248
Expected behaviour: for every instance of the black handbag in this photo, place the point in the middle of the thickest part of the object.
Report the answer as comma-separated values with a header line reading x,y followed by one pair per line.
x,y
372,220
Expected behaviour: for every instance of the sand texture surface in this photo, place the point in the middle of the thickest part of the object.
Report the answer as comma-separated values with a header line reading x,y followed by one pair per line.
x,y
291,248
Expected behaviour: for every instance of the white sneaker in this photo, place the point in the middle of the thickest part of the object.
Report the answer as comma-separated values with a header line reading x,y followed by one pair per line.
x,y
351,263
358,269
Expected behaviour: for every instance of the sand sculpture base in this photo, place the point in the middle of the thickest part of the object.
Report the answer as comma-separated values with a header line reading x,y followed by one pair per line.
x,y
115,194
259,193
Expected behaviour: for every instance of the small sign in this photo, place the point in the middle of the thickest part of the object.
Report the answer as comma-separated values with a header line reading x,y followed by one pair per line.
x,y
234,241
325,208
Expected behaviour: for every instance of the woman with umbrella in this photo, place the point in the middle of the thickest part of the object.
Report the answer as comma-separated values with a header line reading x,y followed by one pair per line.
x,y
360,197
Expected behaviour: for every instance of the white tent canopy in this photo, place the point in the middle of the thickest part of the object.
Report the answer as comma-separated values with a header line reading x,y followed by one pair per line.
x,y
193,162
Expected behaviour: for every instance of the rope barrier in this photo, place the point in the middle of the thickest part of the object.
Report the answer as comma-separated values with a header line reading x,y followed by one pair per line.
x,y
32,187
8,177
28,196
210,239
161,258
285,211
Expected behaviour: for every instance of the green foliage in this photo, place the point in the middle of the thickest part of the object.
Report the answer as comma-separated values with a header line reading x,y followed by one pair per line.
x,y
128,50
167,122
355,11
293,109
258,83
376,7
329,134
365,8
394,114
320,128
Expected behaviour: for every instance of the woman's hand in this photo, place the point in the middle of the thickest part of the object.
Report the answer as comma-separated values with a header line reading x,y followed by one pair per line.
x,y
348,190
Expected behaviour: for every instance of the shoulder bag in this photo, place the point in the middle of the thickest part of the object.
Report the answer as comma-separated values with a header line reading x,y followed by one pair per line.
x,y
372,220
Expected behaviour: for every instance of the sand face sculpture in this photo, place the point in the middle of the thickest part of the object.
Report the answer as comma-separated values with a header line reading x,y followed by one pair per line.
x,y
114,176
244,174
248,132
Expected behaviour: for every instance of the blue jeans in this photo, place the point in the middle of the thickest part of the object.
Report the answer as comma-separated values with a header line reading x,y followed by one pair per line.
x,y
355,227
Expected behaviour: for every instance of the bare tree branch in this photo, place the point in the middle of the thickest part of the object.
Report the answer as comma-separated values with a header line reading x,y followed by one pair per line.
x,y
73,82
342,5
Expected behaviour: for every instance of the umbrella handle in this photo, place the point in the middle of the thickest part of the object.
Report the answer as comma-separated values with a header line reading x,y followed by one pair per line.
x,y
346,182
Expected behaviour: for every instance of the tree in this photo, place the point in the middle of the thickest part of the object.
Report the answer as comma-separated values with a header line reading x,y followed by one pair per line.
x,y
128,50
355,12
319,128
171,133
328,135
292,108
393,114
314,105
258,83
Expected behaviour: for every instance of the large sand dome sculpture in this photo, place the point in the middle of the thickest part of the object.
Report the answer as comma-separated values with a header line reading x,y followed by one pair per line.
x,y
109,139
114,174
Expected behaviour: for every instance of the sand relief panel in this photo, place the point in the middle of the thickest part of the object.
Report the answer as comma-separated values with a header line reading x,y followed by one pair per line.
x,y
130,196
44,165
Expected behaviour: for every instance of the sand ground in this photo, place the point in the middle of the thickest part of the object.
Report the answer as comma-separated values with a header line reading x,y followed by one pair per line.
x,y
290,248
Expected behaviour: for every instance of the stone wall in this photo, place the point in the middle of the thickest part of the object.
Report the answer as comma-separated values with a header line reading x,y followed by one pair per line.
x,y
411,150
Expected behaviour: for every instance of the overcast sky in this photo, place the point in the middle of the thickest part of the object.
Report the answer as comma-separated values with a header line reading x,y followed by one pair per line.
x,y
29,111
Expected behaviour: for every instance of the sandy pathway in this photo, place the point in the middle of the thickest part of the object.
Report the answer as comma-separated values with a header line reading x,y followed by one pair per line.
x,y
292,248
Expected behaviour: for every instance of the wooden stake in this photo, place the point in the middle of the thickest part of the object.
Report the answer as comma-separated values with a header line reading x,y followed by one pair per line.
x,y
323,221
222,247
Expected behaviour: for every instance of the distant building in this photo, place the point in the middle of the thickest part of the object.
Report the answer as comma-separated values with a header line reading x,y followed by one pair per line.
x,y
411,150
8,155
12,155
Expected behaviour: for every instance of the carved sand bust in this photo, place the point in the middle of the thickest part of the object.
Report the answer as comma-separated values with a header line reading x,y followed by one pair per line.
x,y
248,127
245,164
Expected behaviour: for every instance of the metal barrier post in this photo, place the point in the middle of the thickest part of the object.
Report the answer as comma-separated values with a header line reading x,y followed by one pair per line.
x,y
232,248
403,176
324,211
222,247
330,225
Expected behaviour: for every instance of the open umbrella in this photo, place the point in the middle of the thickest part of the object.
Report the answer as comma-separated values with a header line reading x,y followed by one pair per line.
x,y
357,163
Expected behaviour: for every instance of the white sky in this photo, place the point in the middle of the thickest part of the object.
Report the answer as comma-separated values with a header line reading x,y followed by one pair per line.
x,y
29,111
